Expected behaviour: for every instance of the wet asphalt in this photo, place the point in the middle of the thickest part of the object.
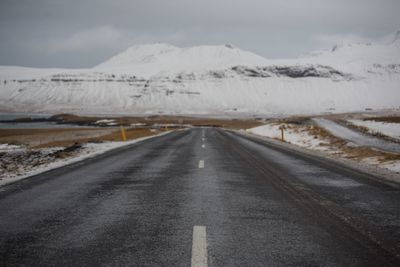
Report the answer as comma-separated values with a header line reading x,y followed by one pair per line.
x,y
261,204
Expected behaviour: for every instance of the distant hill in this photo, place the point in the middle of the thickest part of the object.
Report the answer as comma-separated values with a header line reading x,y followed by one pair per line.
x,y
212,80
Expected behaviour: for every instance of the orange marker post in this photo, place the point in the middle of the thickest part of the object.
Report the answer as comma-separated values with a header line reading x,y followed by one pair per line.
x,y
123,135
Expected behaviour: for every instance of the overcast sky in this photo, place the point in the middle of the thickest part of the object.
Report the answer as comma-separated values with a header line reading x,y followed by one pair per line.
x,y
83,33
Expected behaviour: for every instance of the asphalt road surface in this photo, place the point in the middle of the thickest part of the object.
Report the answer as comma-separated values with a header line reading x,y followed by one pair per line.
x,y
201,197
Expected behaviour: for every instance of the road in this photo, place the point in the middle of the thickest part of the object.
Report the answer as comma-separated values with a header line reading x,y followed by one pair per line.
x,y
357,137
201,197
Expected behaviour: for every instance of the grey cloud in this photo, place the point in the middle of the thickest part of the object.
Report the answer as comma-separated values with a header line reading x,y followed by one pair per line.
x,y
55,33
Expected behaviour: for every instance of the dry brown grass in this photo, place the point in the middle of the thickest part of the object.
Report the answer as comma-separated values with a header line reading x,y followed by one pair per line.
x,y
115,135
360,153
297,120
351,152
225,123
161,119
370,132
319,132
61,137
19,132
65,137
35,137
231,124
394,119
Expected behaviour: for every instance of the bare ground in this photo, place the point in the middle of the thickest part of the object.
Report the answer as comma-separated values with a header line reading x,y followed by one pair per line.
x,y
151,120
64,137
335,146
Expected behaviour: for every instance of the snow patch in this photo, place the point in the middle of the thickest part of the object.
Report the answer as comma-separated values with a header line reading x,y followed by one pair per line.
x,y
106,122
392,165
357,137
299,136
385,128
45,164
9,148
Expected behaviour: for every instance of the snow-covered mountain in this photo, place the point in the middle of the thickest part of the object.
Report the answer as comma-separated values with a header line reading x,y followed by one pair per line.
x,y
149,60
360,57
161,78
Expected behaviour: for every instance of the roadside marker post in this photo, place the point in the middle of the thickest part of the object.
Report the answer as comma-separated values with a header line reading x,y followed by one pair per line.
x,y
282,128
123,135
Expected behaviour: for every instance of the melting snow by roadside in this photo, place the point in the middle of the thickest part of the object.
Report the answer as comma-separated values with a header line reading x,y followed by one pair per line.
x,y
8,147
386,128
393,165
356,137
297,135
18,163
313,138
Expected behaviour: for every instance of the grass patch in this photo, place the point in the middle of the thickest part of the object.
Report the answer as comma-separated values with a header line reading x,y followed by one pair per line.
x,y
392,119
112,136
47,131
161,119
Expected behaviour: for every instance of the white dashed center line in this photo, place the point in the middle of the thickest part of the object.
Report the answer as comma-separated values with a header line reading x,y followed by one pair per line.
x,y
199,247
203,146
201,164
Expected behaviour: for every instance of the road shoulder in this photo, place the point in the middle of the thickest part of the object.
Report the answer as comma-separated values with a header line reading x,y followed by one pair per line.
x,y
378,174
92,151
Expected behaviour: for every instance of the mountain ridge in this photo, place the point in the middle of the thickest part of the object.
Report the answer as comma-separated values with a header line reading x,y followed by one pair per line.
x,y
162,78
150,59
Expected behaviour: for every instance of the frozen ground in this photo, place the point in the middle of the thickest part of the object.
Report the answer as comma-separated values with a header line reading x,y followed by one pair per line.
x,y
386,128
9,148
307,136
17,162
393,165
297,135
356,137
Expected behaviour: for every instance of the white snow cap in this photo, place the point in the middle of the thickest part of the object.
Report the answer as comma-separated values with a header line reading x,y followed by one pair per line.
x,y
150,59
355,57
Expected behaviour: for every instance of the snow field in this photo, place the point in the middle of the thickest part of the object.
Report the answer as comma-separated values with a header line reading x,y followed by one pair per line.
x,y
385,128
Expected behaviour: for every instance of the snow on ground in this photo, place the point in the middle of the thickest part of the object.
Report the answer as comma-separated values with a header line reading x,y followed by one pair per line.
x,y
297,135
304,136
107,122
393,165
386,128
104,121
17,163
356,137
8,147
138,124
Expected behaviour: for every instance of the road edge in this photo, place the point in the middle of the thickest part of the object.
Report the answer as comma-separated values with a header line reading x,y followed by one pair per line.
x,y
375,173
76,161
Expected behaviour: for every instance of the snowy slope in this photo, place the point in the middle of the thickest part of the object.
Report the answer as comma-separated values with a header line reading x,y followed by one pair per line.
x,y
386,128
361,58
149,60
161,78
